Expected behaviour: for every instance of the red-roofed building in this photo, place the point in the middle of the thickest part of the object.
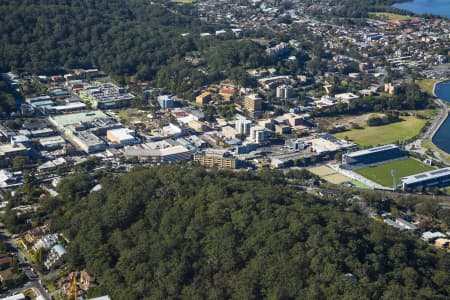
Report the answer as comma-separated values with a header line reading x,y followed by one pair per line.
x,y
227,94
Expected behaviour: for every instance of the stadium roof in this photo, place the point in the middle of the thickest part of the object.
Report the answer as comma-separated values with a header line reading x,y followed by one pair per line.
x,y
425,176
372,150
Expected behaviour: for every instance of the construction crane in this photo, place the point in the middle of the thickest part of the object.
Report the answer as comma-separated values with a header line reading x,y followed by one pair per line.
x,y
74,287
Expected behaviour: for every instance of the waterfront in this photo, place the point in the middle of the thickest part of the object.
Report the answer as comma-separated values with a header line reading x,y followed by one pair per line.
x,y
442,137
436,7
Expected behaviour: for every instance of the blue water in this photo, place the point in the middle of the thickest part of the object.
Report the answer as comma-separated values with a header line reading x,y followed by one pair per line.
x,y
442,136
436,7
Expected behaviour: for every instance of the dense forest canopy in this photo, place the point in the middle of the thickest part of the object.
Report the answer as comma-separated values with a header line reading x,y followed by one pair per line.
x,y
122,37
129,39
186,232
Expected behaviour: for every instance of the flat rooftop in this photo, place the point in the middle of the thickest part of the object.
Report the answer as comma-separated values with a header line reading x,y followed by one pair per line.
x,y
76,118
430,175
8,148
122,133
372,150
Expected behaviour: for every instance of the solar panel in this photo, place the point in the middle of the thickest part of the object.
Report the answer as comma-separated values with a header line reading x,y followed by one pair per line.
x,y
420,176
437,172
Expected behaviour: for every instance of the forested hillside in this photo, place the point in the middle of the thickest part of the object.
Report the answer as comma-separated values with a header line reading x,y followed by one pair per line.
x,y
129,39
122,37
188,233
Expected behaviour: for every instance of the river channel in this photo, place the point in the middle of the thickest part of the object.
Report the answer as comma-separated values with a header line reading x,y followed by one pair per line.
x,y
442,136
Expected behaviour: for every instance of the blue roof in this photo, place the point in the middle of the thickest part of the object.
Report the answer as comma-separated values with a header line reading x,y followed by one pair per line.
x,y
59,92
60,250
235,142
44,103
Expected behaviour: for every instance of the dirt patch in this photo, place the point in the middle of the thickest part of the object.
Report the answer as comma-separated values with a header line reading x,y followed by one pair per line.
x,y
322,171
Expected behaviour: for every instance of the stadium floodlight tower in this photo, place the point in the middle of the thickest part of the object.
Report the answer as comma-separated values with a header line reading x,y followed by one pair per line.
x,y
394,178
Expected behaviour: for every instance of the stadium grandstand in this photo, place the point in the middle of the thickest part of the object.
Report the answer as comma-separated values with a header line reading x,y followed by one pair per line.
x,y
373,156
440,177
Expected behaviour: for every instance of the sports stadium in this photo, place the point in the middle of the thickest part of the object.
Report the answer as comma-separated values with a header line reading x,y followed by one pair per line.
x,y
374,156
387,166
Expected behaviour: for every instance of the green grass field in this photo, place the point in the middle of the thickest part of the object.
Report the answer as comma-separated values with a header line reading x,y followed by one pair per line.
x,y
360,185
427,85
380,135
391,16
382,173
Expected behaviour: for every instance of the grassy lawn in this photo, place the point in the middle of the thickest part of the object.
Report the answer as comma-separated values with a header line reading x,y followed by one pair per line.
x,y
29,293
429,113
50,286
360,185
427,85
427,144
382,173
380,135
391,16
131,114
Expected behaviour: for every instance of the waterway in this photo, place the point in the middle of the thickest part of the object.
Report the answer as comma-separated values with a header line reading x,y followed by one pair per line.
x,y
442,136
436,7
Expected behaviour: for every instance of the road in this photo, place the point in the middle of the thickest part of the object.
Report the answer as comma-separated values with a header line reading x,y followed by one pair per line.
x,y
431,130
33,278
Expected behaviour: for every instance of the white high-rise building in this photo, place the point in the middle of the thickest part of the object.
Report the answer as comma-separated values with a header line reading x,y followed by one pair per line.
x,y
243,126
258,134
284,92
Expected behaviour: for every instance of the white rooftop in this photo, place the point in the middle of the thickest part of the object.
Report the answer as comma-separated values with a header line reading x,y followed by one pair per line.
x,y
421,177
15,297
122,133
372,150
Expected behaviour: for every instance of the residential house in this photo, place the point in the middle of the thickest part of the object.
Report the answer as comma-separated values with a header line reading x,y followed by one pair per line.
x,y
55,257
34,234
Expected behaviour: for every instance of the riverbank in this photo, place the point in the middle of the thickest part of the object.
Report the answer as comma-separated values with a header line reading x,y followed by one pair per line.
x,y
439,8
434,128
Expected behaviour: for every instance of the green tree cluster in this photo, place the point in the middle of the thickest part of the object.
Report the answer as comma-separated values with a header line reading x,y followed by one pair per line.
x,y
7,99
178,231
407,97
121,37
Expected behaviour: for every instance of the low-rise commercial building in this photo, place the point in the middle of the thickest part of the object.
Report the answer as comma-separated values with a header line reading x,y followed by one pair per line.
x,y
203,98
229,132
167,151
198,126
52,142
86,141
83,129
122,136
10,150
107,96
217,159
